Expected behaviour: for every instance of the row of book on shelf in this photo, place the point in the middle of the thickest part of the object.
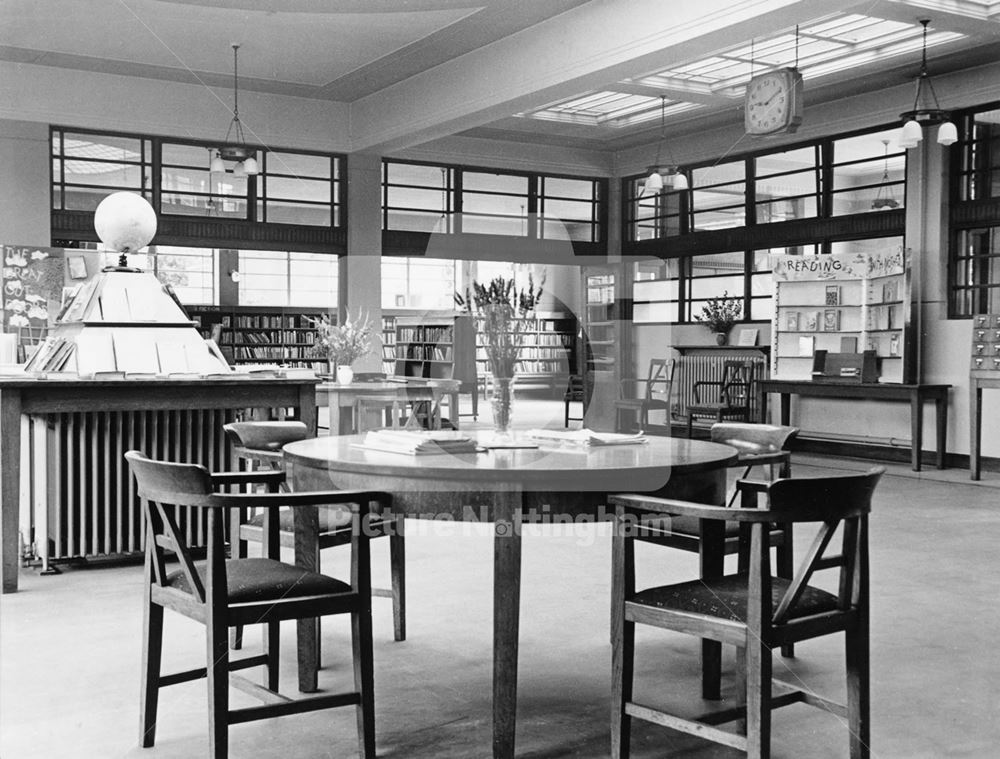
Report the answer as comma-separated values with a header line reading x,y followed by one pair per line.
x,y
424,334
108,300
269,338
421,352
266,321
829,320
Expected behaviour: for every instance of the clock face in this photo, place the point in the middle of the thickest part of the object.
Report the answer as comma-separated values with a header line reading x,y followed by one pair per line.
x,y
774,102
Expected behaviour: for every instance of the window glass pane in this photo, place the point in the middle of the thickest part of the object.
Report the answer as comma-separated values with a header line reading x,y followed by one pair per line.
x,y
105,147
713,276
582,189
722,173
568,230
103,174
494,225
495,183
417,221
185,155
296,188
407,197
282,212
186,180
297,164
568,209
786,208
263,278
424,283
415,174
499,204
801,159
869,174
313,279
191,272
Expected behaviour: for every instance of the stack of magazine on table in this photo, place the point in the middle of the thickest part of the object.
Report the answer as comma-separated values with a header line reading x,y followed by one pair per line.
x,y
419,442
586,437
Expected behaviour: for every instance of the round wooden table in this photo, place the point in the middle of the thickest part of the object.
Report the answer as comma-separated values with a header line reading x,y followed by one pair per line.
x,y
507,487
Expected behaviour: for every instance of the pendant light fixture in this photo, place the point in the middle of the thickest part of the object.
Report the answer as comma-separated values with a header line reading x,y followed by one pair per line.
x,y
663,177
883,197
926,111
239,151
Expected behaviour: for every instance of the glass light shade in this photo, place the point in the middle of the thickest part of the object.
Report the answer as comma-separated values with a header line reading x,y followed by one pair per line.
x,y
125,222
911,135
250,166
947,134
680,181
654,182
239,170
217,166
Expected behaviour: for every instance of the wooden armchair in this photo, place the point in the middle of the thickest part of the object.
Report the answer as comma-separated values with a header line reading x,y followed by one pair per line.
x,y
658,386
758,445
259,445
730,399
753,610
221,593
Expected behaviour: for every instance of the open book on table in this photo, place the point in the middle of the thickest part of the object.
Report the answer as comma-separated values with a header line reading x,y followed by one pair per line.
x,y
419,441
587,437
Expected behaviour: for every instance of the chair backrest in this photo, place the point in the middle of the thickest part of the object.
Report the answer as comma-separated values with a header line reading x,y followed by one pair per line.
x,y
842,499
165,486
737,381
660,379
747,437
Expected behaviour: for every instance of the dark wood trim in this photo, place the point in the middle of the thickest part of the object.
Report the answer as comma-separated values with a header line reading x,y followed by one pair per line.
x,y
779,234
212,232
975,213
463,246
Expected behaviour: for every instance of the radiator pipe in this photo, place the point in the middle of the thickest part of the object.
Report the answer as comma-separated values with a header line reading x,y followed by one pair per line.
x,y
895,442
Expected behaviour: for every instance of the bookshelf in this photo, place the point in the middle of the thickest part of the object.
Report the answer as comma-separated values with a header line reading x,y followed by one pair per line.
x,y
842,303
260,334
433,347
548,352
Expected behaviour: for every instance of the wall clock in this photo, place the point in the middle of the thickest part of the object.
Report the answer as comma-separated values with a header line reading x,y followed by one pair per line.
x,y
773,102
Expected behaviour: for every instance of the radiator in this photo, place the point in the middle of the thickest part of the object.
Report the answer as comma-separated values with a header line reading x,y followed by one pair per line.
x,y
83,498
701,368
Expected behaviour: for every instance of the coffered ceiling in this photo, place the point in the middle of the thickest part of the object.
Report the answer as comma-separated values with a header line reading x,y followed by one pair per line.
x,y
566,72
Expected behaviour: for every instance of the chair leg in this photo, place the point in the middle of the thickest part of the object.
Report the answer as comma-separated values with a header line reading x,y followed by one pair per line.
x,y
786,569
690,424
218,688
152,648
858,704
758,671
364,676
272,649
623,670
397,566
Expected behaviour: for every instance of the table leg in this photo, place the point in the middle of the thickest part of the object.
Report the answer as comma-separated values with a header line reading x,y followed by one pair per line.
x,y
975,427
941,419
711,557
10,483
506,610
786,409
916,429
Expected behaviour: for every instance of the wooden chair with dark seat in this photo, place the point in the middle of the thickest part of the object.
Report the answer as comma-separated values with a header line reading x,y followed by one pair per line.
x,y
758,445
726,399
753,610
221,593
259,445
573,394
655,395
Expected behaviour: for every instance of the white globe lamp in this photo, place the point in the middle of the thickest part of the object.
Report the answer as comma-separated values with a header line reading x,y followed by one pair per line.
x,y
125,222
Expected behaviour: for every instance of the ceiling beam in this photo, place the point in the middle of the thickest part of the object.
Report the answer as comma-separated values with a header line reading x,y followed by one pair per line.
x,y
587,48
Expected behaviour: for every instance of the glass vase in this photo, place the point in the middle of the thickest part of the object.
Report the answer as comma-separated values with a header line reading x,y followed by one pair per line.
x,y
501,397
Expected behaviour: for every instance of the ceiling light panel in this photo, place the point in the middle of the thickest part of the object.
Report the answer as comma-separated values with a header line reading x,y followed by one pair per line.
x,y
613,109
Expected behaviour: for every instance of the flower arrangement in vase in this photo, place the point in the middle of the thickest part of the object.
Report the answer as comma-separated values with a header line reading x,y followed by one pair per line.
x,y
502,309
720,314
342,344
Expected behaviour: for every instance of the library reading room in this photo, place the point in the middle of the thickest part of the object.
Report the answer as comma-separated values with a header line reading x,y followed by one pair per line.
x,y
455,379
